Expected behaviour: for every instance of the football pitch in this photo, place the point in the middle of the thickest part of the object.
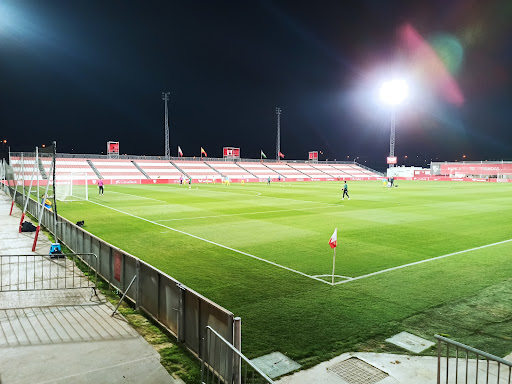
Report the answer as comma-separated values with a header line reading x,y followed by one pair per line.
x,y
425,257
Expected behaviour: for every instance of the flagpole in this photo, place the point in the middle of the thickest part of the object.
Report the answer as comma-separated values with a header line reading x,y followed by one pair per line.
x,y
333,264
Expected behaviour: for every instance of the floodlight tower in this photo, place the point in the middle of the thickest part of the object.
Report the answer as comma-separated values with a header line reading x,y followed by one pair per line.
x,y
165,98
278,141
393,93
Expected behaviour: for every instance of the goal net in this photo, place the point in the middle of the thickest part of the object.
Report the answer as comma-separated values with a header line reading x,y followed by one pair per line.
x,y
72,187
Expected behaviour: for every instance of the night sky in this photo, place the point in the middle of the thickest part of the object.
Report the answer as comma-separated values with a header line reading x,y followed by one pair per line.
x,y
86,72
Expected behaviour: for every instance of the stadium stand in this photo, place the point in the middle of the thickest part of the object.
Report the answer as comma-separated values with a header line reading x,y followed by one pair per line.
x,y
326,169
25,171
231,170
117,169
360,171
159,169
258,170
198,170
141,169
65,167
285,170
351,170
311,171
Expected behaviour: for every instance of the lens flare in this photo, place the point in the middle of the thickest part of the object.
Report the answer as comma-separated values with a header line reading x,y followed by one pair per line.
x,y
449,50
425,61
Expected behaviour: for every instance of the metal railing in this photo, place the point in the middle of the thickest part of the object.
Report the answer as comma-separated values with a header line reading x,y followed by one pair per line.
x,y
188,158
44,272
459,363
221,362
181,310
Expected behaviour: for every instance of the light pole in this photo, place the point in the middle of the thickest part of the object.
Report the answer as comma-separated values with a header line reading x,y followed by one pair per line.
x,y
165,98
393,93
278,140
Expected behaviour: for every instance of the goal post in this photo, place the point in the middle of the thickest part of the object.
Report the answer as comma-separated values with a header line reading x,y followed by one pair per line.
x,y
72,186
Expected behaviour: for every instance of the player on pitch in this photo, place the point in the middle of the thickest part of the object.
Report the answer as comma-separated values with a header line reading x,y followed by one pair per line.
x,y
345,191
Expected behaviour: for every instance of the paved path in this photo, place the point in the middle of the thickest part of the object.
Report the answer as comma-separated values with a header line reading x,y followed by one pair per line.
x,y
393,369
53,335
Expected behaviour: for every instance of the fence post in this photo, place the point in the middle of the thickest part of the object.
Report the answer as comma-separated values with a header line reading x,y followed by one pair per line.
x,y
181,315
237,343
138,291
438,361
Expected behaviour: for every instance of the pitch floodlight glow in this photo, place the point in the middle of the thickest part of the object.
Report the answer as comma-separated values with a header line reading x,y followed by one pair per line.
x,y
393,92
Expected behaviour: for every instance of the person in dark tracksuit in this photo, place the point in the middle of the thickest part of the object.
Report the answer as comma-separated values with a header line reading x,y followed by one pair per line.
x,y
345,191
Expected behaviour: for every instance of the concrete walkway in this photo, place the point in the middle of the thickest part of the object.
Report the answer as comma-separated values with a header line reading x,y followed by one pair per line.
x,y
385,368
55,335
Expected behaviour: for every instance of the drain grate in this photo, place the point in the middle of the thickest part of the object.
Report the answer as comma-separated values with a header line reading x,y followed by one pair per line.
x,y
357,371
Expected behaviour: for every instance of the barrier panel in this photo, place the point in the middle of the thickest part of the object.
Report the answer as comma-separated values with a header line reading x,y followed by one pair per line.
x,y
46,272
181,310
223,363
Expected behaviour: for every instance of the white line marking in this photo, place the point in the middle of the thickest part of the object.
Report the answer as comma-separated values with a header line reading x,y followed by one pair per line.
x,y
271,197
245,213
422,261
329,275
214,243
140,197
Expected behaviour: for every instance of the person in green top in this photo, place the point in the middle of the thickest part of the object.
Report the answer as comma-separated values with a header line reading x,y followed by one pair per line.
x,y
345,191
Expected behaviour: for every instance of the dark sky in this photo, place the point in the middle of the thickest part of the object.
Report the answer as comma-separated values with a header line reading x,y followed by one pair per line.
x,y
85,72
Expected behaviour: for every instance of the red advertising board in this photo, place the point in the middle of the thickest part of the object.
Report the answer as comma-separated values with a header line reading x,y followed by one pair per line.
x,y
313,155
231,152
391,160
117,266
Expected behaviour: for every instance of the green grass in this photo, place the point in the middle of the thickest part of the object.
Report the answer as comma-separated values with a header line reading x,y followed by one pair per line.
x,y
462,295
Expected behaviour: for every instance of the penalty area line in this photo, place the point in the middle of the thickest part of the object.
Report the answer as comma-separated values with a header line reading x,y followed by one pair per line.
x,y
214,243
272,197
423,261
246,213
140,197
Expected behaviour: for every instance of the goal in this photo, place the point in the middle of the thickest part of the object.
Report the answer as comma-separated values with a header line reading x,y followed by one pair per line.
x,y
72,187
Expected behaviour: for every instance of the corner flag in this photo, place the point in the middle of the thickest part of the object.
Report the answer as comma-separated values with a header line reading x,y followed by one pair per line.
x,y
333,241
263,155
281,155
180,154
203,151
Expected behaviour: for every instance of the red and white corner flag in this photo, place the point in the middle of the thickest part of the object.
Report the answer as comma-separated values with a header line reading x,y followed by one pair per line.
x,y
281,155
180,153
333,241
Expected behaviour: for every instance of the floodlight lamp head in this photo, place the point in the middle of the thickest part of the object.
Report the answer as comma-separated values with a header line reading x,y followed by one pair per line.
x,y
393,92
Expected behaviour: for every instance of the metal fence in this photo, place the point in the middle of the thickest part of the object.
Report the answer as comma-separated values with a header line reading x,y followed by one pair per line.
x,y
181,310
44,272
192,158
459,363
221,362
